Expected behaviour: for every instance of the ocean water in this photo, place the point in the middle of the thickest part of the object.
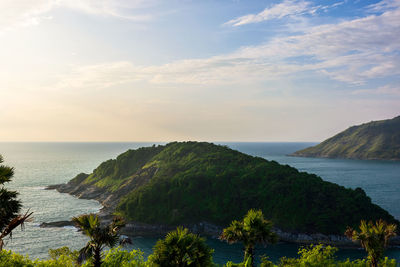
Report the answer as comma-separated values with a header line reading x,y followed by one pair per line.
x,y
38,165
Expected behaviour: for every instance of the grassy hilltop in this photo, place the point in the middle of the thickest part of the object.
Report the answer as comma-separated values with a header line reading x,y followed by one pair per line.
x,y
373,140
192,182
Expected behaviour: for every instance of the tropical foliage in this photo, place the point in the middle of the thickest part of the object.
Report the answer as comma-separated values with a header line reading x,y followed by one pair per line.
x,y
324,256
100,236
373,238
9,205
117,257
253,229
181,249
64,257
313,256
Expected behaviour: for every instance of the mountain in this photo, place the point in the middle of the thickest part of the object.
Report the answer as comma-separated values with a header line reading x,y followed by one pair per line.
x,y
373,140
192,182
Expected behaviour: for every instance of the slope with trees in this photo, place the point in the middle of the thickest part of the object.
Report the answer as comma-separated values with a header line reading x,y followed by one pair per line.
x,y
373,140
192,182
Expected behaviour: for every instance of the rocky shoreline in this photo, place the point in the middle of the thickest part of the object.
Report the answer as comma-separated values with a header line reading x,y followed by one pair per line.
x,y
324,156
132,229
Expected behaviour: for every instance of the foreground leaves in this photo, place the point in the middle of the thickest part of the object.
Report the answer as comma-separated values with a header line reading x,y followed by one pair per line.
x,y
181,248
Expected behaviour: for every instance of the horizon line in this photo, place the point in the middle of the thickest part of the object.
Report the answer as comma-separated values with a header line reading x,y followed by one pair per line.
x,y
166,142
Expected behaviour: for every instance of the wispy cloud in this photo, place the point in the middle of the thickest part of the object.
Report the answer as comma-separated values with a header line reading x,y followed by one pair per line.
x,y
281,10
255,92
23,13
98,76
287,8
352,51
386,90
113,8
384,5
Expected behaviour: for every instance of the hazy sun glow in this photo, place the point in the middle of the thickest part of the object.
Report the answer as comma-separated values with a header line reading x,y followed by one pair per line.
x,y
202,70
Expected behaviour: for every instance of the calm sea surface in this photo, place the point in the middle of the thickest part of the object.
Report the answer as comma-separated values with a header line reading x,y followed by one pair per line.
x,y
40,164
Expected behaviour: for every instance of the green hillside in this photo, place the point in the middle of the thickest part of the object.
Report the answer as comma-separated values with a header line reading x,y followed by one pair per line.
x,y
194,182
373,140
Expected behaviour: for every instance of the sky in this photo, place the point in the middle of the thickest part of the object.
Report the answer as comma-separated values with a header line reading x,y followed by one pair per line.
x,y
209,70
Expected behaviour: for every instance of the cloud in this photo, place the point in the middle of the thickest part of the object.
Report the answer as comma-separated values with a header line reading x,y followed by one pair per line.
x,y
27,12
353,51
278,11
288,8
22,13
386,90
384,5
112,8
201,72
98,76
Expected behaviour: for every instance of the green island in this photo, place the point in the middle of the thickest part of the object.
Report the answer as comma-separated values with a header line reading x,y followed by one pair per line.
x,y
373,140
204,176
186,183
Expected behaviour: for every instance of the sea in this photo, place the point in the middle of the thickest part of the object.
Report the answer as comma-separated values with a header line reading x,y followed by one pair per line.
x,y
38,165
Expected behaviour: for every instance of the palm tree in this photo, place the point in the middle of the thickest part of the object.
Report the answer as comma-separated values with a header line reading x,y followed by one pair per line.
x,y
9,205
181,248
253,229
100,236
373,238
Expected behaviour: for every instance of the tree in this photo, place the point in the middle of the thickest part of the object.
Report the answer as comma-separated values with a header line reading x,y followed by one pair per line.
x,y
100,236
10,206
253,229
181,248
373,238
65,252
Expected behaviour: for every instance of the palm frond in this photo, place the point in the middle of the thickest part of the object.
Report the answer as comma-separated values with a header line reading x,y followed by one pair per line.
x,y
14,223
85,253
17,221
100,236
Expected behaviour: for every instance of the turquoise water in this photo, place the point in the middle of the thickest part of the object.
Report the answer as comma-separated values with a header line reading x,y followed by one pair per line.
x,y
40,164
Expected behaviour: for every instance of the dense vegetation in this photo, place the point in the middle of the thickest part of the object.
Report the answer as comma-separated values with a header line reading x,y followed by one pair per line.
x,y
181,248
100,236
374,140
374,238
190,182
184,249
252,230
10,205
313,256
112,173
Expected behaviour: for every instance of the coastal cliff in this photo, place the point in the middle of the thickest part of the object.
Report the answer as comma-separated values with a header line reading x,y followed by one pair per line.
x,y
373,140
205,186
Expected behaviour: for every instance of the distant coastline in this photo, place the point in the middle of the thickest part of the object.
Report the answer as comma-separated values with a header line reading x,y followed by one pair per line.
x,y
376,140
297,154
